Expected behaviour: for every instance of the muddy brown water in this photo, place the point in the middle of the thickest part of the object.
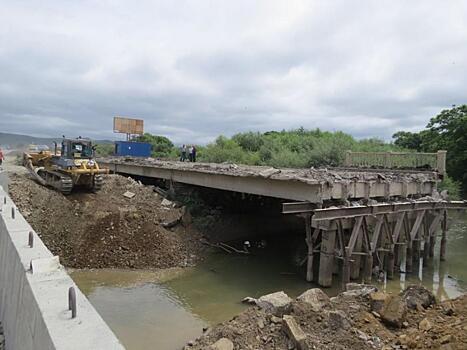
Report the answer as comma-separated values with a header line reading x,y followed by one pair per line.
x,y
166,309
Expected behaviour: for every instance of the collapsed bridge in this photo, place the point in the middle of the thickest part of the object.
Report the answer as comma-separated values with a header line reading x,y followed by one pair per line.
x,y
380,209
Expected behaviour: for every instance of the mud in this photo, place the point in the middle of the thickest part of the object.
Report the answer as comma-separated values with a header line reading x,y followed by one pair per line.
x,y
107,229
348,322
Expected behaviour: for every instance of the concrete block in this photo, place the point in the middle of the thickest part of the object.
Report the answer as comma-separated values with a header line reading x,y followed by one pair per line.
x,y
294,332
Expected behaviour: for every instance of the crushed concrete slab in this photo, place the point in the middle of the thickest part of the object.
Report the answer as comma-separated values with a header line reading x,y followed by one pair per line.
x,y
294,332
269,172
394,311
276,303
129,194
166,203
310,176
316,298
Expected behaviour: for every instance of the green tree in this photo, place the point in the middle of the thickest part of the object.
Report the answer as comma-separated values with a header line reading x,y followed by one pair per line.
x,y
410,140
105,149
161,146
447,131
249,141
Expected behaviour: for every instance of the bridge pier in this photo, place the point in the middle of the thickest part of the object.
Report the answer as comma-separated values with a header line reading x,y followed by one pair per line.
x,y
353,240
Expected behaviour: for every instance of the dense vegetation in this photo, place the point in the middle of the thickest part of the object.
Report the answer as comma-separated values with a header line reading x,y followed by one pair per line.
x,y
298,148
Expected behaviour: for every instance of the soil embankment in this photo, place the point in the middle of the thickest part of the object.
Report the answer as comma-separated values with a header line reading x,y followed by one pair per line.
x,y
107,229
360,318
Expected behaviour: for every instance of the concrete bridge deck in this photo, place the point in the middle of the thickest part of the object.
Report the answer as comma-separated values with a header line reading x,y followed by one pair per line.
x,y
312,185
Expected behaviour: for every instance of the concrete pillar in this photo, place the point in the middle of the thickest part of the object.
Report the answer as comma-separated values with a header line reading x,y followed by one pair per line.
x,y
441,162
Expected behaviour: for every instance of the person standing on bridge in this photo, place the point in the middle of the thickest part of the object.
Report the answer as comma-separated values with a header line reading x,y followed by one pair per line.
x,y
190,153
183,153
193,154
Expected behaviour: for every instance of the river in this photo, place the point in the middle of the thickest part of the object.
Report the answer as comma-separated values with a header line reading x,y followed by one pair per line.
x,y
166,309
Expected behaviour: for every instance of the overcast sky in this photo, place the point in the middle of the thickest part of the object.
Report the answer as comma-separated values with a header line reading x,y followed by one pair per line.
x,y
196,69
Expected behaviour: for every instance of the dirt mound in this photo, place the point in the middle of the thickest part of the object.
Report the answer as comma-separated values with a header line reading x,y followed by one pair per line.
x,y
107,229
349,323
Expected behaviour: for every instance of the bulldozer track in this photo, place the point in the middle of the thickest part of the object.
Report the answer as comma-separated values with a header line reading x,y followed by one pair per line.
x,y
57,180
97,183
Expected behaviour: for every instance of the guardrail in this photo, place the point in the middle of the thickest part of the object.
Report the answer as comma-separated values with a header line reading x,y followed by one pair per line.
x,y
398,160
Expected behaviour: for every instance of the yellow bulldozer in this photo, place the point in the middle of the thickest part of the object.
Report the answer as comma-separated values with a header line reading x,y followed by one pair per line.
x,y
72,164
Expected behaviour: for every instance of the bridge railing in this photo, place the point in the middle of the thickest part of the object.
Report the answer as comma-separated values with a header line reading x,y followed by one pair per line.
x,y
397,160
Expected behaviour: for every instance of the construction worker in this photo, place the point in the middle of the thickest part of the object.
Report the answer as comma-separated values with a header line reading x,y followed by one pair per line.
x,y
1,157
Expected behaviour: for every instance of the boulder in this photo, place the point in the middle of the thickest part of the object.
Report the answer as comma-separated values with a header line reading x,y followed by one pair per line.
x,y
394,311
294,332
222,344
425,325
338,320
249,300
418,295
276,303
377,300
316,298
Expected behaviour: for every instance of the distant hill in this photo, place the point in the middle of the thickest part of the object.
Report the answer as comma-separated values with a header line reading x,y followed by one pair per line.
x,y
20,141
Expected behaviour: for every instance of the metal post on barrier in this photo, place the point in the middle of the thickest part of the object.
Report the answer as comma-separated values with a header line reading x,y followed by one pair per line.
x,y
12,212
31,239
4,200
72,301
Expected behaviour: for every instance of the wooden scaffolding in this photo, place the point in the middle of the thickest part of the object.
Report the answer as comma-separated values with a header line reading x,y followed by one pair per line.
x,y
357,241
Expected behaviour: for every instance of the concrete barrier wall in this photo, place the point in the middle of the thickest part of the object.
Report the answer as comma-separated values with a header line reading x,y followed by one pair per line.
x,y
34,301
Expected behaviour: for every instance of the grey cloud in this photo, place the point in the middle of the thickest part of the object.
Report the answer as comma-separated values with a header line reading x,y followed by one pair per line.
x,y
196,71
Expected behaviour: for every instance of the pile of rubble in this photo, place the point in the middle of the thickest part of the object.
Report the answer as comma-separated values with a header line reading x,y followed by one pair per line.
x,y
360,318
126,224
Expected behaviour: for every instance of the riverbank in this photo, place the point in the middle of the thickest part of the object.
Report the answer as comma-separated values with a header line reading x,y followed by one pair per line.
x,y
125,225
360,318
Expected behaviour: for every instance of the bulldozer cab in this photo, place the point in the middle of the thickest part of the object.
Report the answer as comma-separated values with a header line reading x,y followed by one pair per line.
x,y
77,149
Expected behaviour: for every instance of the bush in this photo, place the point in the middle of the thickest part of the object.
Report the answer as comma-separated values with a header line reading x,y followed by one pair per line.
x,y
454,188
104,149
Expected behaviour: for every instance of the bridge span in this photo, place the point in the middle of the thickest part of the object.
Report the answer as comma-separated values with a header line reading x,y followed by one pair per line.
x,y
310,185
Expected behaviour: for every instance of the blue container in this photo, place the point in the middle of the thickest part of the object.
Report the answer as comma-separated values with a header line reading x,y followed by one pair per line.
x,y
133,149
